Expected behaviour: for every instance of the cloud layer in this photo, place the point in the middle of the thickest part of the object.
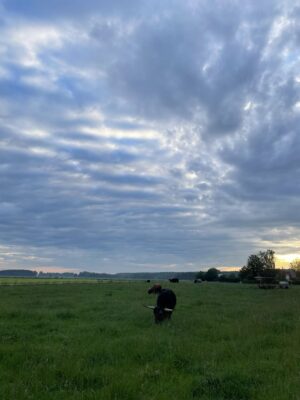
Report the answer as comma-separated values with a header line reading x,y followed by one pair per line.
x,y
144,136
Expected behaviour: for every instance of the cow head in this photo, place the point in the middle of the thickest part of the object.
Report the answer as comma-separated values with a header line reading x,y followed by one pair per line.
x,y
155,289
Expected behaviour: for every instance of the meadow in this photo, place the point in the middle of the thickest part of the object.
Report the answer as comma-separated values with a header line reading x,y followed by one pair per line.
x,y
97,341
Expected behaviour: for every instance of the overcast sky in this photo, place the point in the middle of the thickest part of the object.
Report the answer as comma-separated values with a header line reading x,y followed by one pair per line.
x,y
146,135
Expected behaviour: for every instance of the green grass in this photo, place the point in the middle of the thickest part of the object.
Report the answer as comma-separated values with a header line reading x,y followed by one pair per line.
x,y
226,341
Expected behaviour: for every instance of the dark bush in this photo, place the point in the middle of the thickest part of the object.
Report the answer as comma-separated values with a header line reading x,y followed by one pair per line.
x,y
212,274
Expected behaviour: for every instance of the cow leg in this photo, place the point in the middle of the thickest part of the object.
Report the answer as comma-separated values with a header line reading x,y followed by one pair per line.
x,y
168,314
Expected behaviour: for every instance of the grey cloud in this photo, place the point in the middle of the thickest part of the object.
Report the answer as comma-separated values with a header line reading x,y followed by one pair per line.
x,y
69,8
208,78
162,66
112,157
129,179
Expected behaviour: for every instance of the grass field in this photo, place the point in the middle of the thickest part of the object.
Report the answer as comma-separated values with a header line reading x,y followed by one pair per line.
x,y
226,341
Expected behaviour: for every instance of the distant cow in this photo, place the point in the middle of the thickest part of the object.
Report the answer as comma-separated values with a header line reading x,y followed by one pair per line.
x,y
148,280
284,284
174,280
165,304
198,280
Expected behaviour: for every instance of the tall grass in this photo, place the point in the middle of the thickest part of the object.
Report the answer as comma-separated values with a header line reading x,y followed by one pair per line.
x,y
225,341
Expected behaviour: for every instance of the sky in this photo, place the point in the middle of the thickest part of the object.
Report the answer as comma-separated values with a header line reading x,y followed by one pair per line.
x,y
148,135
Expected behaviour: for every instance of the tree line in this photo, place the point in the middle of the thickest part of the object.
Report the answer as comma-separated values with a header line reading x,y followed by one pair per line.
x,y
261,264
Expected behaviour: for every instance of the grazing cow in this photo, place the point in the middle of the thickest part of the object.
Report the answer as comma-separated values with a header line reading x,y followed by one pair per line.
x,y
165,304
198,280
174,280
148,280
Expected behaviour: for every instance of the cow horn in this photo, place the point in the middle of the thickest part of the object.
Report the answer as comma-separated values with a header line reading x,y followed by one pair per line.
x,y
165,309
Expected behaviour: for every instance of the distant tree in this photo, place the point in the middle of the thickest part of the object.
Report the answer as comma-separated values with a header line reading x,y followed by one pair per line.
x,y
211,274
295,264
267,258
200,275
257,264
253,268
24,273
231,277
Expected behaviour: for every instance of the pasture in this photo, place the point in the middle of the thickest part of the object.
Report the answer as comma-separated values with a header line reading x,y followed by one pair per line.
x,y
97,341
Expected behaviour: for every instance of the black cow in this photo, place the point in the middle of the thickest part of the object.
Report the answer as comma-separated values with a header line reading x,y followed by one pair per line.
x,y
165,304
174,280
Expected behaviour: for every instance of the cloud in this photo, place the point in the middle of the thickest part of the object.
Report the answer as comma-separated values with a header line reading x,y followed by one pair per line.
x,y
144,135
73,9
